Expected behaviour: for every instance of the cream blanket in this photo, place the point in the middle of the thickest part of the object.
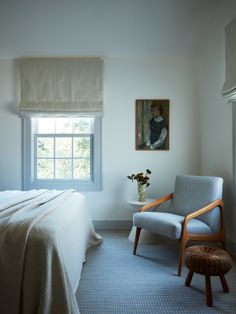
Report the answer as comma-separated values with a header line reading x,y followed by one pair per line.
x,y
44,236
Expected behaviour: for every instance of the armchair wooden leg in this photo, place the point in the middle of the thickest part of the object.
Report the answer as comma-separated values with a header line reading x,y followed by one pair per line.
x,y
182,245
137,235
223,242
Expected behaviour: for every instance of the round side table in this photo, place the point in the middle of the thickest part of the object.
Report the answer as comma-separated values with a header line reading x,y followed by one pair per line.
x,y
145,236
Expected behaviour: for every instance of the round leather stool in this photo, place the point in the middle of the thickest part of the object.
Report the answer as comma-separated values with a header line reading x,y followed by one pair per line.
x,y
207,261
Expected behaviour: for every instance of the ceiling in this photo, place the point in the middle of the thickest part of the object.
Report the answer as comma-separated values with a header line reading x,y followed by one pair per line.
x,y
110,28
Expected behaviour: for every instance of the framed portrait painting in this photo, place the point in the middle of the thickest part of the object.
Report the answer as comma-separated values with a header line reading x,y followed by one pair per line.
x,y
152,124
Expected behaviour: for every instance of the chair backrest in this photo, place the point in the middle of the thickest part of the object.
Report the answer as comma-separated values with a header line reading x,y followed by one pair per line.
x,y
194,192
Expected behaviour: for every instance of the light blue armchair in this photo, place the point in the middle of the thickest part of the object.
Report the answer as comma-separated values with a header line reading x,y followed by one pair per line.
x,y
195,213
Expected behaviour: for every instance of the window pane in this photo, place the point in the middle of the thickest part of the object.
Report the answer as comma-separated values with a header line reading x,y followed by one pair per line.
x,y
63,169
81,169
82,147
45,147
82,125
63,147
46,125
45,169
63,125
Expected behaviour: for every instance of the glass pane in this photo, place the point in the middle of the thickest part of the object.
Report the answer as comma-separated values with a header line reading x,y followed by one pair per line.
x,y
63,147
82,125
81,169
63,169
45,169
45,146
46,125
81,147
63,125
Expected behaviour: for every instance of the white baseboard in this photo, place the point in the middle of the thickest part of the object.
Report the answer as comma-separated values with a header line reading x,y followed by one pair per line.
x,y
113,224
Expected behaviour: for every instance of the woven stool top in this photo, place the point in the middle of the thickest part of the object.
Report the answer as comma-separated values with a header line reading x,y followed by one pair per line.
x,y
207,260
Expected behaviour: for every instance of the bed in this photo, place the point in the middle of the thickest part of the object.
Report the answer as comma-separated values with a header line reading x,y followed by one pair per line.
x,y
44,235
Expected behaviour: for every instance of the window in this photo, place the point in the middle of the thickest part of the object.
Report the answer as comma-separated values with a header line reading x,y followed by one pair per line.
x,y
62,153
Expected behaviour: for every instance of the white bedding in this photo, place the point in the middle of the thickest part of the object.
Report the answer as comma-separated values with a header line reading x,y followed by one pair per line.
x,y
44,236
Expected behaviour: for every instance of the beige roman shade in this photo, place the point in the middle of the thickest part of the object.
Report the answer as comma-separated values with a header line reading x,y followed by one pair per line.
x,y
229,88
61,86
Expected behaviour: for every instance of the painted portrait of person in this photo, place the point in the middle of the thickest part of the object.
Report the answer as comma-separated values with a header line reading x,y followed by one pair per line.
x,y
152,124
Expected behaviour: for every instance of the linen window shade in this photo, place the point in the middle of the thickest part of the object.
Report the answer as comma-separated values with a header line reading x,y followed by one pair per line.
x,y
61,86
229,88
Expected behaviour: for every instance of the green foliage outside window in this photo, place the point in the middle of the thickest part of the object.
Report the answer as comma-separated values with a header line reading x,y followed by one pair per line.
x,y
63,157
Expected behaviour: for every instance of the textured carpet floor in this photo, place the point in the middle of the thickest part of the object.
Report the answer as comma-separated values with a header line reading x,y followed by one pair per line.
x,y
115,281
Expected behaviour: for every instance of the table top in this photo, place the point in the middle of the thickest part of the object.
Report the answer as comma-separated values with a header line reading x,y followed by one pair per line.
x,y
138,203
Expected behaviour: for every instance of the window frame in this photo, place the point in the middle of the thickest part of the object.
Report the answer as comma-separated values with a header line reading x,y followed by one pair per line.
x,y
29,163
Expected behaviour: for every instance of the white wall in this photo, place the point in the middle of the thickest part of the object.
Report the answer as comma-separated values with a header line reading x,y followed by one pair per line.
x,y
10,128
216,113
132,36
126,79
105,27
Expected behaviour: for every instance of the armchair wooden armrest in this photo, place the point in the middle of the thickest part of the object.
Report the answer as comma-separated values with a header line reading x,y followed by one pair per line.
x,y
157,202
214,237
217,236
217,203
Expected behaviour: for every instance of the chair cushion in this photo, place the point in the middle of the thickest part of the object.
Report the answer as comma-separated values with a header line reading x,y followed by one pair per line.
x,y
194,192
168,224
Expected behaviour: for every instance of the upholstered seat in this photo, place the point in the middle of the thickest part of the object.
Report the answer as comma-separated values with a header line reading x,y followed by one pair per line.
x,y
195,213
168,224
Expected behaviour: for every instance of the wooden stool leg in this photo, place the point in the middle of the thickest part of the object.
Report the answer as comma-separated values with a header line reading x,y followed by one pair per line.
x,y
224,284
208,290
189,278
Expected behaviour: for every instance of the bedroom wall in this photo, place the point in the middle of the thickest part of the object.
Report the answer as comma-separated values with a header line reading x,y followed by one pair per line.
x,y
132,37
125,79
10,129
216,113
150,50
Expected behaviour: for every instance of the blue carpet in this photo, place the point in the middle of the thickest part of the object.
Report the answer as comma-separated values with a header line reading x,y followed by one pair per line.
x,y
115,281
